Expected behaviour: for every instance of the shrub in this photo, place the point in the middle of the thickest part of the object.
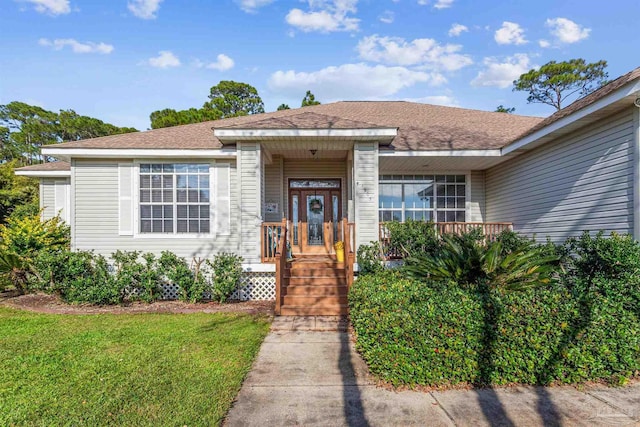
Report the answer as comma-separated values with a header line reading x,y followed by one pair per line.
x,y
226,272
176,270
412,332
140,281
467,260
78,277
369,258
14,270
28,235
412,238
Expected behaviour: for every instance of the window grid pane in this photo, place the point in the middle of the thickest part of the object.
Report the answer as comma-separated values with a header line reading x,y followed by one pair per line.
x,y
440,198
174,198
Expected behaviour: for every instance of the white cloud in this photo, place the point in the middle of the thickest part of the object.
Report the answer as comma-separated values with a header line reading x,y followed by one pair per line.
x,y
446,100
350,81
502,74
457,29
387,17
440,4
76,46
144,9
52,7
510,33
223,63
423,52
325,16
566,31
443,4
544,43
251,6
165,59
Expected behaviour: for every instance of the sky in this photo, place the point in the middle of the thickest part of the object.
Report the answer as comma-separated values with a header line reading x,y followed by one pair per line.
x,y
119,60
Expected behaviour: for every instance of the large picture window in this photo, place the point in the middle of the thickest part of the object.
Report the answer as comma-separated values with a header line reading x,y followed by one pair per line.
x,y
174,198
439,198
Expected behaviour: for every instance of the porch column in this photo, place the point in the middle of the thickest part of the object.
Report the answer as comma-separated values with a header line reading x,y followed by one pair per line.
x,y
250,199
365,191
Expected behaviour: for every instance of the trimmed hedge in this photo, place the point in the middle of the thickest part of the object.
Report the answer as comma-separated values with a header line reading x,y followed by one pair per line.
x,y
412,332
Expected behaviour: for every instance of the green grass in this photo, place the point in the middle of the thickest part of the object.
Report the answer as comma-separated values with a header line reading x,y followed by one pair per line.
x,y
141,369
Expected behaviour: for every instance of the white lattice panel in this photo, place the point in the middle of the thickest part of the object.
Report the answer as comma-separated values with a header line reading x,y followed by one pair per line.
x,y
170,291
256,285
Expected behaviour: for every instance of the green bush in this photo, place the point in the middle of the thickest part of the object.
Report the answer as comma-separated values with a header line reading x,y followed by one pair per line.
x,y
29,235
176,270
412,238
584,327
226,272
140,281
369,258
78,277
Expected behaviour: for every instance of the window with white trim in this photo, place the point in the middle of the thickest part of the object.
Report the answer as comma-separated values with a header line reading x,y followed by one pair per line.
x,y
174,198
439,198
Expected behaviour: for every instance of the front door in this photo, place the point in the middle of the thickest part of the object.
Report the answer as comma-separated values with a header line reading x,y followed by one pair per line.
x,y
315,219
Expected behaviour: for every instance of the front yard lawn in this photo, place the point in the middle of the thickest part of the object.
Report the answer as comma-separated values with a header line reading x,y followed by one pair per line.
x,y
140,369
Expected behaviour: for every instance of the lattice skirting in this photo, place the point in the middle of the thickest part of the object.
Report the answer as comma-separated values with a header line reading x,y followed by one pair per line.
x,y
253,286
256,285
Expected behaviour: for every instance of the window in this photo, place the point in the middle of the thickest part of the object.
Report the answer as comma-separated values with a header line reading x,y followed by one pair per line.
x,y
174,198
440,198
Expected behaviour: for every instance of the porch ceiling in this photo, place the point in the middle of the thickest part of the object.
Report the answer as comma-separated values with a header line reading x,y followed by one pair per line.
x,y
301,149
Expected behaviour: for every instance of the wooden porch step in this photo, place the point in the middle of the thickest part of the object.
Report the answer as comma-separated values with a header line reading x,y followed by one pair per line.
x,y
306,265
314,301
336,310
317,281
318,290
317,272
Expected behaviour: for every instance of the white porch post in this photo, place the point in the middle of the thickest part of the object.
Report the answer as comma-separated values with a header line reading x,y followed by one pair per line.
x,y
250,199
365,191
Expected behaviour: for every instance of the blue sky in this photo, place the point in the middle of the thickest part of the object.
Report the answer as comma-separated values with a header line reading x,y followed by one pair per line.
x,y
119,60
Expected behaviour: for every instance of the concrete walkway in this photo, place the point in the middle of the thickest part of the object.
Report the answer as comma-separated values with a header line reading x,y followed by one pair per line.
x,y
307,373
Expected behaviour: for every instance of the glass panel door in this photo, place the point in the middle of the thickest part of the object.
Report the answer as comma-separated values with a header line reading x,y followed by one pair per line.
x,y
315,219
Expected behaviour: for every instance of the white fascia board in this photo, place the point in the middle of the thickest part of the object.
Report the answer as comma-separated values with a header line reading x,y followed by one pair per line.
x,y
442,153
44,174
612,98
235,134
67,153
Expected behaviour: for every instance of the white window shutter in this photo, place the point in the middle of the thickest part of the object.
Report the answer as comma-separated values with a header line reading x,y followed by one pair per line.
x,y
125,199
221,202
61,201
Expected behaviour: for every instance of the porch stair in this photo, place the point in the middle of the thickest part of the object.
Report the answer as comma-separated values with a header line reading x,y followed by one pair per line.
x,y
314,286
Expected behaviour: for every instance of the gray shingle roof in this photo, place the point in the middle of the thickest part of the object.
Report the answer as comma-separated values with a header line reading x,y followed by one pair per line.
x,y
47,167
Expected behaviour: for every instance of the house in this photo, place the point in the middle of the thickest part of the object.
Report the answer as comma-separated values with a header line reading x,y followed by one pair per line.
x,y
335,171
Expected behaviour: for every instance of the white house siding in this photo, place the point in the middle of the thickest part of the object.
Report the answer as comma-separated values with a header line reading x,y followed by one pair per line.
x,y
477,200
96,224
273,189
579,182
314,169
54,197
250,186
365,168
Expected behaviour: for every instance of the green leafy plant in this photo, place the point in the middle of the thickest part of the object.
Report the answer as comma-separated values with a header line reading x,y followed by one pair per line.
x,y
139,281
14,270
412,238
467,259
226,272
369,258
176,270
28,235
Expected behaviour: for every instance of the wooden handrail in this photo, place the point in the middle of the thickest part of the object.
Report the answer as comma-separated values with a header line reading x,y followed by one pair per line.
x,y
281,265
270,238
348,234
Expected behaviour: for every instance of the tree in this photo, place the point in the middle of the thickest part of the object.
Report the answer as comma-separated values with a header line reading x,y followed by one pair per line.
x,y
234,99
15,191
502,109
555,81
169,117
25,128
309,99
283,107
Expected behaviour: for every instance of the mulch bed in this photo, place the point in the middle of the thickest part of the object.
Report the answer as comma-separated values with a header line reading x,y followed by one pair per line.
x,y
44,303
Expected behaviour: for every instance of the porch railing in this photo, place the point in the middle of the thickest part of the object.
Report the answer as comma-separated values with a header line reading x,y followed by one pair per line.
x,y
349,236
489,229
272,235
280,257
